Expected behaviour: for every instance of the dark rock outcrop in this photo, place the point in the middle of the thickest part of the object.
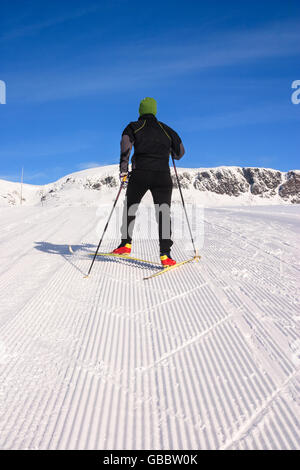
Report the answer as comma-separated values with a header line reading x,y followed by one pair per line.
x,y
254,184
262,181
107,181
185,180
222,181
290,189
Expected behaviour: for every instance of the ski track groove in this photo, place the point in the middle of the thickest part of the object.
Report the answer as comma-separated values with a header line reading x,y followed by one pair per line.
x,y
110,362
248,242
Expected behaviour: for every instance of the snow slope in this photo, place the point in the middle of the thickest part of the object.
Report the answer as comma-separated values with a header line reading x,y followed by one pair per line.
x,y
209,186
204,357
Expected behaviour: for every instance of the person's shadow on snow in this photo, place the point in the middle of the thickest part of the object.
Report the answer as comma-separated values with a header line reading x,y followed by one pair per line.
x,y
86,250
64,251
56,249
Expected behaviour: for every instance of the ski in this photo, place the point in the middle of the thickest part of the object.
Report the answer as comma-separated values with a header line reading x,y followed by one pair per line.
x,y
114,255
131,258
169,268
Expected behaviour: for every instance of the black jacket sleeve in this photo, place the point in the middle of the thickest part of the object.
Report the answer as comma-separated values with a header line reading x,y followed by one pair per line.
x,y
126,147
177,148
179,155
130,132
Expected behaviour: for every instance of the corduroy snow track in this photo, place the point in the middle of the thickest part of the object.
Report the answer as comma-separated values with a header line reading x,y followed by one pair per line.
x,y
204,357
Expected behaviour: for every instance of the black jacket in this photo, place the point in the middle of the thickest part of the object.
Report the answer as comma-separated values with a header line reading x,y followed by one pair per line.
x,y
153,143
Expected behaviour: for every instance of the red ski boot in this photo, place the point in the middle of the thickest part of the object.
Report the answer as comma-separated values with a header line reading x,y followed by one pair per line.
x,y
123,249
166,260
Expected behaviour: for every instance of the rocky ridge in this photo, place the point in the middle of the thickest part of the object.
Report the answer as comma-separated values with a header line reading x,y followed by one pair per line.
x,y
238,184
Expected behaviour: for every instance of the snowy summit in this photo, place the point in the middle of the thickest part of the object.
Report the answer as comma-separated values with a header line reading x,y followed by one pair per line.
x,y
208,186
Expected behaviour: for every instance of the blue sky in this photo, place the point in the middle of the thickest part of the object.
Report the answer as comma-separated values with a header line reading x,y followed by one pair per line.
x,y
221,72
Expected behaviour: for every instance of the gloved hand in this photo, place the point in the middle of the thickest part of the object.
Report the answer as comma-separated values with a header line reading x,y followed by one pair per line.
x,y
124,177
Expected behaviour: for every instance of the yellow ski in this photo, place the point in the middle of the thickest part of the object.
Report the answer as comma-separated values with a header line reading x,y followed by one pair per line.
x,y
195,258
114,255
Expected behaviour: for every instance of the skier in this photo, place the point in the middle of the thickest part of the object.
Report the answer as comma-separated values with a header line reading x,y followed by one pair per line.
x,y
153,143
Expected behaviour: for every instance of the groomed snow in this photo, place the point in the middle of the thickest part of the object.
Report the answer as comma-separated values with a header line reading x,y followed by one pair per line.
x,y
204,357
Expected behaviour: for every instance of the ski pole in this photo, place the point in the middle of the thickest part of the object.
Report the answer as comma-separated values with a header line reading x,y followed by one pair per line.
x,y
183,203
105,228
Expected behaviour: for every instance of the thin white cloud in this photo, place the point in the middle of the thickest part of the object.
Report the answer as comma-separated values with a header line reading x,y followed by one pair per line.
x,y
55,145
87,165
28,176
135,65
36,27
243,117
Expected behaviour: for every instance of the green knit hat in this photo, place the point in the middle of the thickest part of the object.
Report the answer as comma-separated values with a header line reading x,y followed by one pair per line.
x,y
148,106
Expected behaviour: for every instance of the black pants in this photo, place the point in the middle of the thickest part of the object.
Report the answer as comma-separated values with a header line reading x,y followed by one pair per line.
x,y
160,185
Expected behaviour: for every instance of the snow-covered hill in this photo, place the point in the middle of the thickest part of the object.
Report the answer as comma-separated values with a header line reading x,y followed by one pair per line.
x,y
206,356
203,357
208,186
